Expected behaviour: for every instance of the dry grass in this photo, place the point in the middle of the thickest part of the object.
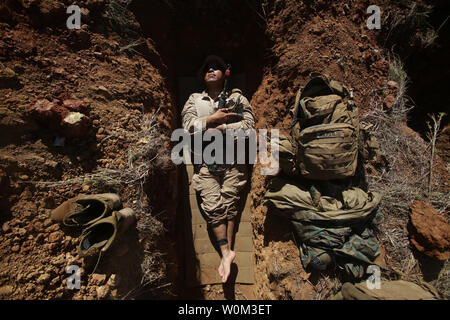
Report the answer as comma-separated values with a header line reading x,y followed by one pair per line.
x,y
142,159
432,135
131,46
413,24
398,74
405,178
146,156
407,155
327,287
119,15
442,283
153,275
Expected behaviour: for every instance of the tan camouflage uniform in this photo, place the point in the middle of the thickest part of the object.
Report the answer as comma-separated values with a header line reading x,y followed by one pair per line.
x,y
219,191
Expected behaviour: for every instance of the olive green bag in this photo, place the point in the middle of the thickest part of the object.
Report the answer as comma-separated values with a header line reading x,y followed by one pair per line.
x,y
337,223
325,130
287,159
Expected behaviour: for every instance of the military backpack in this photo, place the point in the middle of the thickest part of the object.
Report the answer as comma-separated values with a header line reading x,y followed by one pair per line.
x,y
325,130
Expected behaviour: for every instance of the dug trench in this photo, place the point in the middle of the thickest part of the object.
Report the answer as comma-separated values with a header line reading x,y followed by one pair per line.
x,y
273,48
155,49
185,33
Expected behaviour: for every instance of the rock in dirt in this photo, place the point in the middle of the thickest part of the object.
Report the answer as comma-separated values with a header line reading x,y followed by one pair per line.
x,y
47,222
74,125
102,292
21,231
429,231
8,78
46,112
5,227
53,228
388,102
75,105
104,91
59,260
55,237
113,281
6,290
43,279
392,84
52,164
78,39
98,279
52,10
59,72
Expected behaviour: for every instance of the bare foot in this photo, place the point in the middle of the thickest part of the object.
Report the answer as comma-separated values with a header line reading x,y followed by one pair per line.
x,y
227,259
221,268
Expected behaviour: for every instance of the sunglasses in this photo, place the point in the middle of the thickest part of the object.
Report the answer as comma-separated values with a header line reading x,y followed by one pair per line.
x,y
211,65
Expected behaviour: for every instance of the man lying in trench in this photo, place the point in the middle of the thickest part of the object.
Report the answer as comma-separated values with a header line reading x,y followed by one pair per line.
x,y
219,186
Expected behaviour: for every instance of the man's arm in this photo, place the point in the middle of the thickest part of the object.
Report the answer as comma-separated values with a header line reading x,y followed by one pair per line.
x,y
189,115
192,122
248,120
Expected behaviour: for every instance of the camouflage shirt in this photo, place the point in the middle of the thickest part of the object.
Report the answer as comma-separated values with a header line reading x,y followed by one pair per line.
x,y
197,101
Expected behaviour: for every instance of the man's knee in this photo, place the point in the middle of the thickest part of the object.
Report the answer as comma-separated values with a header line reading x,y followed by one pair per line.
x,y
212,205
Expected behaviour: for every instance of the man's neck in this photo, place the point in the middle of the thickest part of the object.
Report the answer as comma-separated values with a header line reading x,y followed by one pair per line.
x,y
214,91
214,94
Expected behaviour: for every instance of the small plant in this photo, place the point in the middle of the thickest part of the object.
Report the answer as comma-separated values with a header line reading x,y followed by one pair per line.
x,y
429,37
413,25
433,132
152,274
131,46
119,16
442,283
396,71
258,9
398,74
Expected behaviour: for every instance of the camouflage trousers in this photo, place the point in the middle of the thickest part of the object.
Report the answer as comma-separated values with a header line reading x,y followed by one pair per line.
x,y
220,192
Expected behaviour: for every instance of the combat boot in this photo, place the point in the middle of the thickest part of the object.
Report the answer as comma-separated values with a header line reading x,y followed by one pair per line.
x,y
85,210
99,236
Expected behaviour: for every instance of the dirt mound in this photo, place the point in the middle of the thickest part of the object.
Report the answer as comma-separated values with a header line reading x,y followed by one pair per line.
x,y
307,38
123,91
429,231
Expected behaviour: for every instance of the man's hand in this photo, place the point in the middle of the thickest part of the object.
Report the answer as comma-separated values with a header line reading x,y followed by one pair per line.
x,y
219,117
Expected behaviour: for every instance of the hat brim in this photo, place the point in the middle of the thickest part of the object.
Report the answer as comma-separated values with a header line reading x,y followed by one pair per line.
x,y
211,58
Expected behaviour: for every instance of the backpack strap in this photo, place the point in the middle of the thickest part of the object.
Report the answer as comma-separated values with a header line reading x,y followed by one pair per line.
x,y
317,86
295,109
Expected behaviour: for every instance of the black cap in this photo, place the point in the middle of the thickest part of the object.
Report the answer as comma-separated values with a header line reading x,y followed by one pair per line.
x,y
210,59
